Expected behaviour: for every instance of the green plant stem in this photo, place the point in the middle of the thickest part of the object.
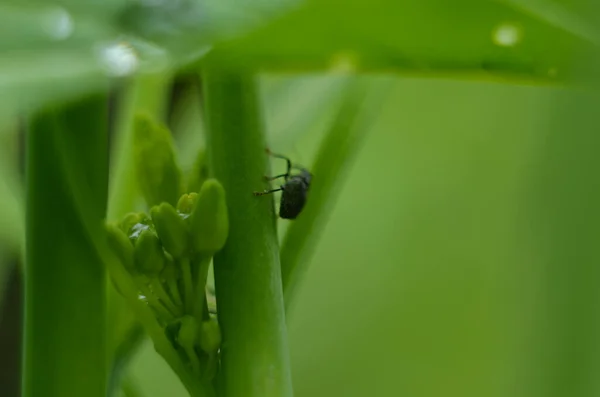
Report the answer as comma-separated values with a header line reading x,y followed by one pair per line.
x,y
194,361
195,386
153,301
362,100
188,289
65,282
199,306
254,353
174,290
158,288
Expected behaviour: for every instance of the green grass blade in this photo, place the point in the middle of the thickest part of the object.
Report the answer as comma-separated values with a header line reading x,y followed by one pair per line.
x,y
563,215
333,161
64,278
255,358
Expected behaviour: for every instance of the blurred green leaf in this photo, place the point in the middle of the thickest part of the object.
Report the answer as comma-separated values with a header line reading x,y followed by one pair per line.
x,y
61,50
293,104
360,107
463,38
187,28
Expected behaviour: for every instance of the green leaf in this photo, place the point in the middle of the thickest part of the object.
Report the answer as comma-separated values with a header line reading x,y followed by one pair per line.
x,y
188,28
426,38
61,50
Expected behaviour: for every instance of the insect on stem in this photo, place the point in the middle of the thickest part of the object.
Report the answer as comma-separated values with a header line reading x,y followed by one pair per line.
x,y
295,189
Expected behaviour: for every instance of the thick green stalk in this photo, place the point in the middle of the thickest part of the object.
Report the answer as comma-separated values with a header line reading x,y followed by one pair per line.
x,y
255,358
65,283
359,108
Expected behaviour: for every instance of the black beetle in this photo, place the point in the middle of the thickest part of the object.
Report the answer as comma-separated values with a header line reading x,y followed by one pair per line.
x,y
295,189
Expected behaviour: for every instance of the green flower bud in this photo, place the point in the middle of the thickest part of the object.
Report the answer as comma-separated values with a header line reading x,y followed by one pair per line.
x,y
120,245
209,224
171,229
210,336
157,172
149,256
186,203
132,219
188,332
198,174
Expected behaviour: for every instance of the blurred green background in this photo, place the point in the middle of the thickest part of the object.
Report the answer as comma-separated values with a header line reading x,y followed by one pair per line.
x,y
451,263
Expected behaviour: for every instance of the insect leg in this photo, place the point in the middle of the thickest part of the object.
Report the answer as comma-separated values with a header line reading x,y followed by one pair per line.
x,y
266,192
272,178
279,156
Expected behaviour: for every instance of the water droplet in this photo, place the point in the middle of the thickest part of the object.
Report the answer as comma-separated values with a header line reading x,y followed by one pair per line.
x,y
506,35
119,59
345,62
58,24
137,229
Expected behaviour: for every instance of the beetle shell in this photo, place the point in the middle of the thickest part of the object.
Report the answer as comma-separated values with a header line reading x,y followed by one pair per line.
x,y
294,195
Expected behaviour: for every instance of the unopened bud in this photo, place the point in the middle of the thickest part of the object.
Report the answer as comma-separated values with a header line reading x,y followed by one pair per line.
x,y
120,245
157,172
209,223
188,332
210,336
149,256
187,202
132,219
171,229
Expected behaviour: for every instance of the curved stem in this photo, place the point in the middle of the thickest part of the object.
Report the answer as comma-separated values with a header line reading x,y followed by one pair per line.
x,y
174,290
254,353
65,282
158,288
200,288
155,304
